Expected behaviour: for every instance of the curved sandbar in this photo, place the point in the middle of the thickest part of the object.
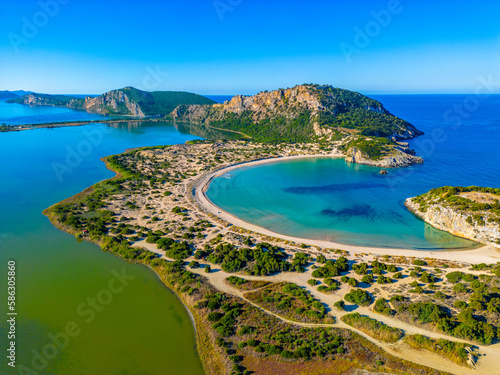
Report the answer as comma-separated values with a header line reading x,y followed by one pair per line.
x,y
484,254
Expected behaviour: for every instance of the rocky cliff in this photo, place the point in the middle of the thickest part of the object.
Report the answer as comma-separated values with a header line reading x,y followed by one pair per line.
x,y
397,157
308,113
482,226
113,102
324,110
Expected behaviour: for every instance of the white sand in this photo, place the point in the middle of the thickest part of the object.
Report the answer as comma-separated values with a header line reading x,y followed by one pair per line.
x,y
484,254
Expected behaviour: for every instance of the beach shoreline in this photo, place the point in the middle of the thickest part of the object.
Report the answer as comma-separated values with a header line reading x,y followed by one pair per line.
x,y
483,254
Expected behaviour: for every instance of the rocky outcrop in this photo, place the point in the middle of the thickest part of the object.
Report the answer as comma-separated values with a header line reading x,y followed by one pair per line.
x,y
127,101
456,223
298,98
112,102
116,101
322,112
397,158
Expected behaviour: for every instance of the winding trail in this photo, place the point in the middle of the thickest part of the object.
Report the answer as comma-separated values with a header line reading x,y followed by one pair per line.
x,y
488,363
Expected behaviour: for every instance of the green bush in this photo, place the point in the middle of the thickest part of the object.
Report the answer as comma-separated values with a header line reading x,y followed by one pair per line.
x,y
359,297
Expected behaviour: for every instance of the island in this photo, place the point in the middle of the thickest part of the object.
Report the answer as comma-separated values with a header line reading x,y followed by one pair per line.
x,y
266,303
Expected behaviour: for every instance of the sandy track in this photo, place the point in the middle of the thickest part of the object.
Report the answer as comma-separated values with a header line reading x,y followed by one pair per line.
x,y
488,363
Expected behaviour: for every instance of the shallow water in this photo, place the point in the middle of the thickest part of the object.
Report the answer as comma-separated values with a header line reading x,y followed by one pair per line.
x,y
144,328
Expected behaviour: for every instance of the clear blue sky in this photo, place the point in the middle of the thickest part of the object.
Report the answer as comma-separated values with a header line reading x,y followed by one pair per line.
x,y
213,47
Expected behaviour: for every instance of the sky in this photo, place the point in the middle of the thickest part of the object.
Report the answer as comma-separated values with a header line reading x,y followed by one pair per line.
x,y
232,47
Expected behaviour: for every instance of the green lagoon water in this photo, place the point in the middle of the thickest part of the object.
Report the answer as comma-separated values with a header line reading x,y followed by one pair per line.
x,y
144,329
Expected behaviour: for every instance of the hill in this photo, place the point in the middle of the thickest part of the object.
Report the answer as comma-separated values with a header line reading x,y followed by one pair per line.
x,y
7,94
300,114
125,101
363,129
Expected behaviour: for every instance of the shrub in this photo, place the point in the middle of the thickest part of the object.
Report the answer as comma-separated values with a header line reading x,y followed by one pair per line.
x,y
208,269
245,330
381,279
382,307
359,297
353,282
460,288
368,279
259,349
455,277
460,304
419,262
339,305
360,268
215,316
373,327
427,278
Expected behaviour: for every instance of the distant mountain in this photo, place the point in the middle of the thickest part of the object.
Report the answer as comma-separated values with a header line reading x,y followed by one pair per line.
x,y
21,92
7,94
300,114
125,101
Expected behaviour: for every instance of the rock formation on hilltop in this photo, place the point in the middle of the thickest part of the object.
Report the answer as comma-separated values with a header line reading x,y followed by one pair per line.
x,y
307,113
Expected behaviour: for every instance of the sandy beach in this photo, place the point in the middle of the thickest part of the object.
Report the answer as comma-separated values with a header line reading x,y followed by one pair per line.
x,y
484,254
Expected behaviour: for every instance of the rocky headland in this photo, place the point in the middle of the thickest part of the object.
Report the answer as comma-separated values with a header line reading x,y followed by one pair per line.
x,y
468,212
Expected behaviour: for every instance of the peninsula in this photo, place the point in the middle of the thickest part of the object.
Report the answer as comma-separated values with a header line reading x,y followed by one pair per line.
x,y
267,303
263,303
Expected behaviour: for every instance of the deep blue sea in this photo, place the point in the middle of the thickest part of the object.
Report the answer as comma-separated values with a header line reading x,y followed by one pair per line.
x,y
352,204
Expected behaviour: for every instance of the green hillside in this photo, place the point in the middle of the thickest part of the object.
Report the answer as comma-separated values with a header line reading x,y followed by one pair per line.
x,y
301,114
163,102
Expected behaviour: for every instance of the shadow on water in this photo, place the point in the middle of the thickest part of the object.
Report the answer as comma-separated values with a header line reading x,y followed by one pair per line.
x,y
363,210
334,188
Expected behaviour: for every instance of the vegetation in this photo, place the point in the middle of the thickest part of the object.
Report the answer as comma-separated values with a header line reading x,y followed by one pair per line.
x,y
292,120
244,284
359,297
454,351
242,332
373,147
263,259
465,325
151,103
485,209
292,302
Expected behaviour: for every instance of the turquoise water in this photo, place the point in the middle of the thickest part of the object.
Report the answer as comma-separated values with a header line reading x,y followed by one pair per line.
x,y
330,199
15,114
144,329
